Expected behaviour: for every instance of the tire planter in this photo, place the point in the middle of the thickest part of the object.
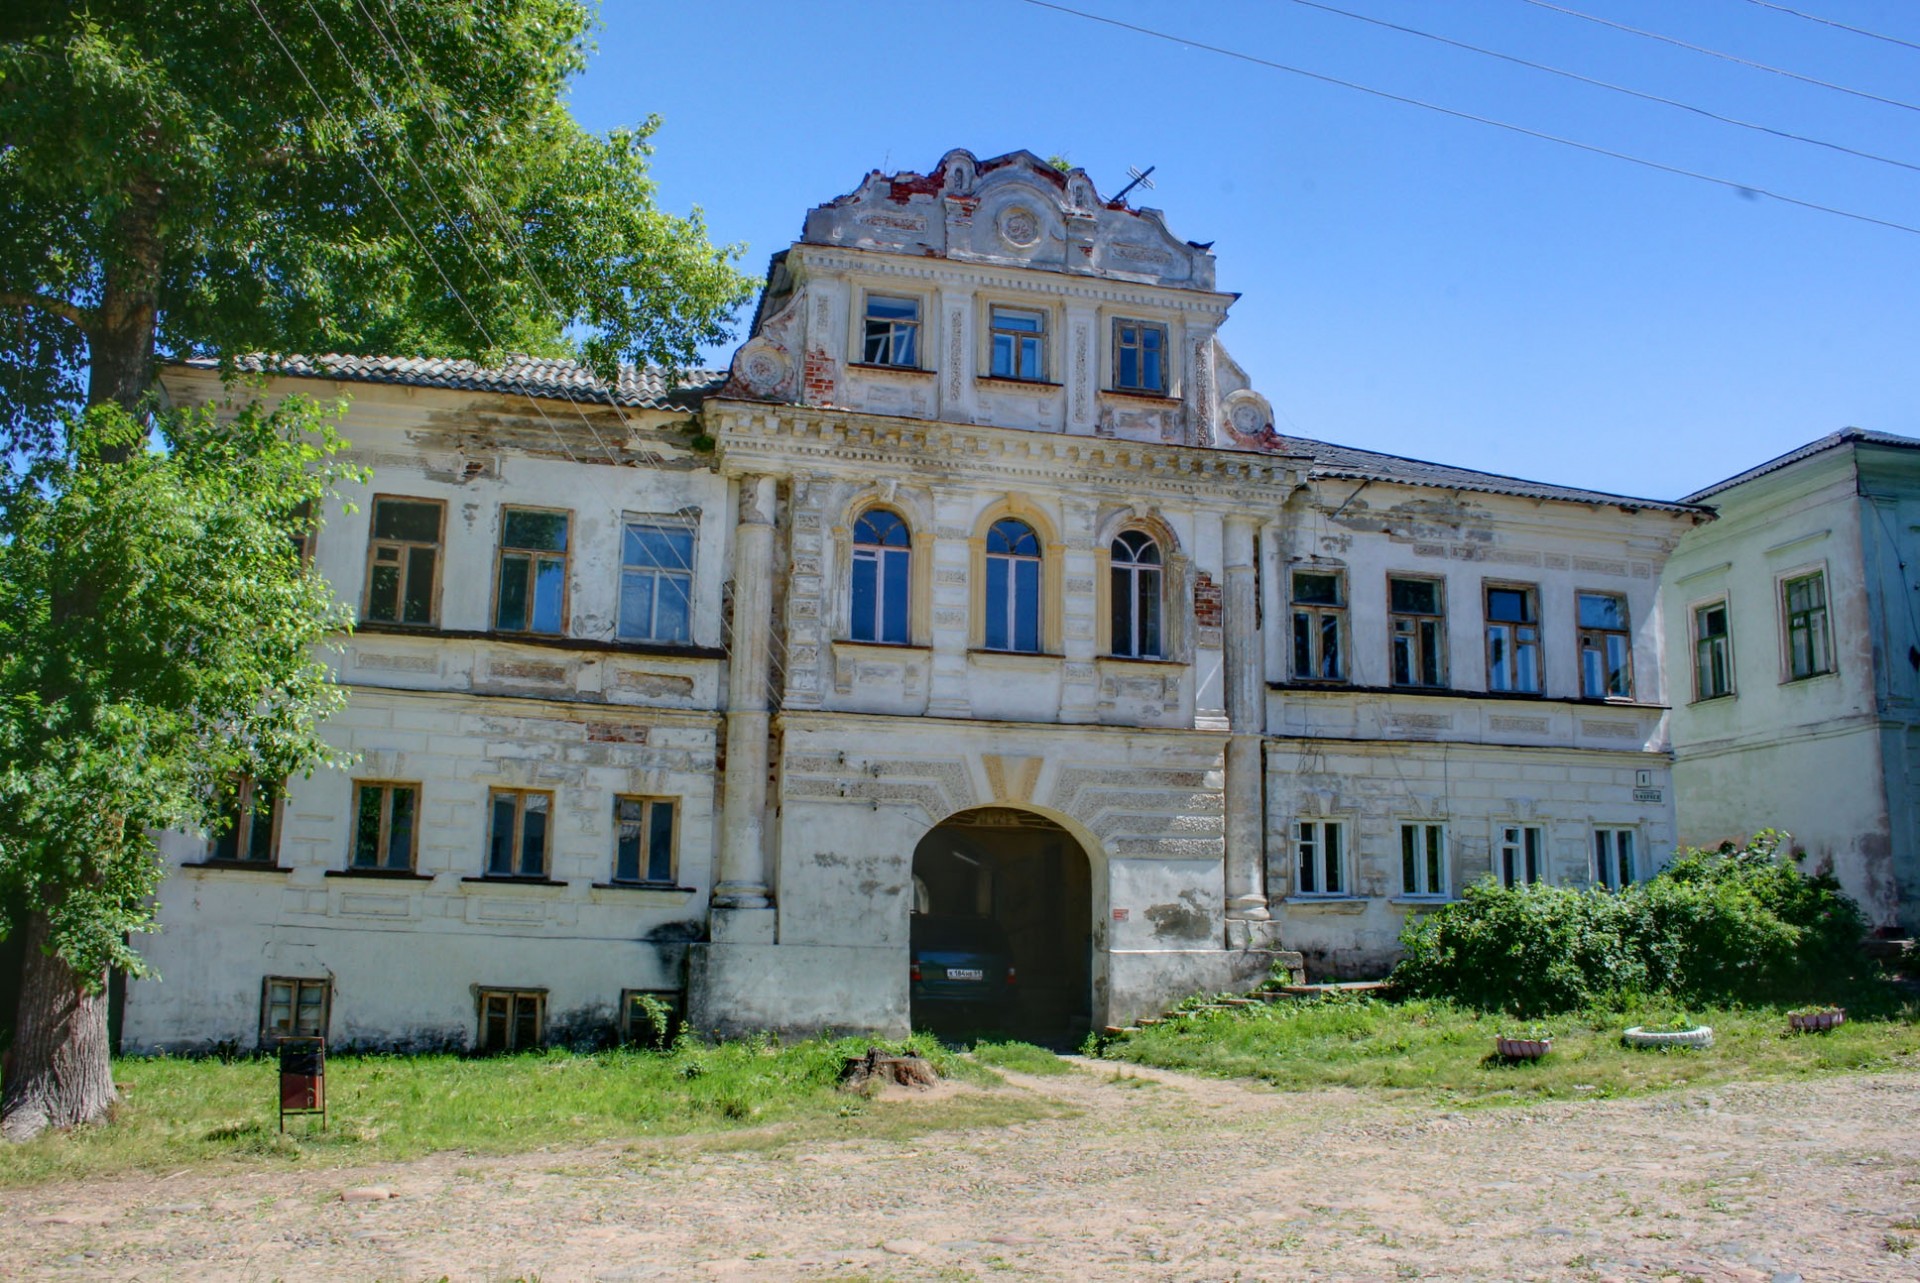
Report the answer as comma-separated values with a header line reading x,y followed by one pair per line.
x,y
1698,1039
1803,1022
1522,1048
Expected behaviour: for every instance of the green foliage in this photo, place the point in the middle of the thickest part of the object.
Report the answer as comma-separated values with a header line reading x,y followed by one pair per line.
x,y
396,176
1444,1051
1021,1057
157,639
1737,924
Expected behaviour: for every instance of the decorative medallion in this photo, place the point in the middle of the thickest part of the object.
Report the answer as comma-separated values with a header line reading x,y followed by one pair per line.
x,y
764,368
1020,227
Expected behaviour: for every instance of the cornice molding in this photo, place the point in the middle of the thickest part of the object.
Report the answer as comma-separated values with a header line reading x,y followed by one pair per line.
x,y
755,437
948,271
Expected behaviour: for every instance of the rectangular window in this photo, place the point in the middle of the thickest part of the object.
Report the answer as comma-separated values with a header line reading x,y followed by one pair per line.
x,y
1320,852
403,560
520,822
1809,647
1614,865
383,825
651,1017
656,582
1521,860
291,1007
1419,624
531,596
252,834
1019,343
1139,356
1319,626
1423,860
892,331
1712,652
1606,647
643,840
512,1019
1513,639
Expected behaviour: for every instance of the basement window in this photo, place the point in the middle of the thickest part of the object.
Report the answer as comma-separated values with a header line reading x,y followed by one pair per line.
x,y
512,1020
293,1007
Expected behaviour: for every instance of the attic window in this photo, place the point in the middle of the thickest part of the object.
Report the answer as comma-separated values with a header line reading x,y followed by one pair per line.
x,y
892,331
1139,356
1019,343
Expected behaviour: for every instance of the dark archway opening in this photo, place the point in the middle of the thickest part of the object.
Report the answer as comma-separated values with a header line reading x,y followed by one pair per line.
x,y
995,888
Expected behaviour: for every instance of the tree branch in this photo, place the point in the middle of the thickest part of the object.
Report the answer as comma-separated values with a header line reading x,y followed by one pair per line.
x,y
79,316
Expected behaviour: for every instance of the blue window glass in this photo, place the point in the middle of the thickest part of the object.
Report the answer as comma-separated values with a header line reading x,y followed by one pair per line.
x,y
882,557
1013,587
1135,561
656,582
1139,356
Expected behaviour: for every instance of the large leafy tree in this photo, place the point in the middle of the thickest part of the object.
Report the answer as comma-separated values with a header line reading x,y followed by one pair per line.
x,y
215,178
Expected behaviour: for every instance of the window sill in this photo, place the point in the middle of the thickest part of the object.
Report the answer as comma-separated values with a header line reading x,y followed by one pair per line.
x,y
238,866
1142,661
1421,901
849,643
391,875
1325,903
657,887
550,641
1141,394
912,371
1810,677
1450,692
513,880
982,652
1025,385
1711,699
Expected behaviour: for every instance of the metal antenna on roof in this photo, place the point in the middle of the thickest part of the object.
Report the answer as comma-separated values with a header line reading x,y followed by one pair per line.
x,y
1140,179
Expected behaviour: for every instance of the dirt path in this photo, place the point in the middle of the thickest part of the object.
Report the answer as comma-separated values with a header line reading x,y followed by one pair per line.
x,y
1145,1175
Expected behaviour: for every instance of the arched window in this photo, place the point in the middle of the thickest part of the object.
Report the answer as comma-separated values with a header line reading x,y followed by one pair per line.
x,y
882,553
1135,558
1013,587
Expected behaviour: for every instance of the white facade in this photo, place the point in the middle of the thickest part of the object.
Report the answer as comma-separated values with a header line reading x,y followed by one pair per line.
x,y
1069,696
1822,739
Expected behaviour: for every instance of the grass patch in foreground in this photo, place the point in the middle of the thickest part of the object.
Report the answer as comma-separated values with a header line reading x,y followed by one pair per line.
x,y
1020,1057
1445,1051
182,1113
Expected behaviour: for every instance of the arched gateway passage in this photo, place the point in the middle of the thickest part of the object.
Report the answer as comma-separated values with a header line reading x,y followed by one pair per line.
x,y
995,883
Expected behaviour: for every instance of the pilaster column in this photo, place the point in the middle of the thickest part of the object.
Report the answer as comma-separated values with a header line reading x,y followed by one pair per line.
x,y
1246,827
743,878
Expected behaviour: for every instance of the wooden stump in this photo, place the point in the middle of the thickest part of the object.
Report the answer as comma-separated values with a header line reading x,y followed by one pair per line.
x,y
881,1066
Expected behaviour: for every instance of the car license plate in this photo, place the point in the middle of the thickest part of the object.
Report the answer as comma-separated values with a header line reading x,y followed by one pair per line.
x,y
965,973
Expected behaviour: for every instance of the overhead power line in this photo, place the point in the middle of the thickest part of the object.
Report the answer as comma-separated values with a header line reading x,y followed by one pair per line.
x,y
1608,85
1745,189
1829,22
1721,54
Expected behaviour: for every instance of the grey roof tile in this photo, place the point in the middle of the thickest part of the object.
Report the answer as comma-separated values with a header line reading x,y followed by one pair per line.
x,y
1833,440
1337,462
638,387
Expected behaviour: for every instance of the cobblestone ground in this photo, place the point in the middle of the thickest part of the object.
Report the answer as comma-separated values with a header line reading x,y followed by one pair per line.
x,y
1144,1175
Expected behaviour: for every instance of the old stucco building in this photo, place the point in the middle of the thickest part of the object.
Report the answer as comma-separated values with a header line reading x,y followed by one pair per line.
x,y
981,582
1793,613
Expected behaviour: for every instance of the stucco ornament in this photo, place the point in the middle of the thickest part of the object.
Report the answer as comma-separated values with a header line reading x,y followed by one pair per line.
x,y
1248,420
764,369
1020,227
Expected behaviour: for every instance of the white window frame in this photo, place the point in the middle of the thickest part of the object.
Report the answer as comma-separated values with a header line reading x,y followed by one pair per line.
x,y
296,985
919,324
1423,890
1310,843
1604,867
1515,838
690,572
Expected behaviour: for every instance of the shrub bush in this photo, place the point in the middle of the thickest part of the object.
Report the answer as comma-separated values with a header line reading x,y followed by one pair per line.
x,y
1739,924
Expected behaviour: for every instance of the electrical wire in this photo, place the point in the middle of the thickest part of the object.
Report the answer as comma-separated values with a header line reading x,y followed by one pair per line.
x,y
1608,85
1829,22
1744,189
1722,55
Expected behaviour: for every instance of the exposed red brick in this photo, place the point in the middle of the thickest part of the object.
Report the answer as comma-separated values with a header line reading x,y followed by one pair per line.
x,y
1207,601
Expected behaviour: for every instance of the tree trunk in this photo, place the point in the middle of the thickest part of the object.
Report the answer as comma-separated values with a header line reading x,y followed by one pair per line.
x,y
120,345
58,1073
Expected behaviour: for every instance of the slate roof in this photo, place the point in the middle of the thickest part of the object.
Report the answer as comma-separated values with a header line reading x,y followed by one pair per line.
x,y
638,387
1337,462
1832,441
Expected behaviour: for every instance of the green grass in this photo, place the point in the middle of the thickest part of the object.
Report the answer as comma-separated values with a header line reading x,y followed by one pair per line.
x,y
183,1113
1445,1052
1021,1057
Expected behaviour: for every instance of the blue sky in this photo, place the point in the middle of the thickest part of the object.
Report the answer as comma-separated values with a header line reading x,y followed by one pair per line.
x,y
1411,282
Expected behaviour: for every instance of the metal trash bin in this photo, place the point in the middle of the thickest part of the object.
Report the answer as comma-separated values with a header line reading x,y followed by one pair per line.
x,y
303,1078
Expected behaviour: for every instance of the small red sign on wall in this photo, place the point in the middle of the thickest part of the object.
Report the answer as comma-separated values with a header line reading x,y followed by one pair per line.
x,y
1120,915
